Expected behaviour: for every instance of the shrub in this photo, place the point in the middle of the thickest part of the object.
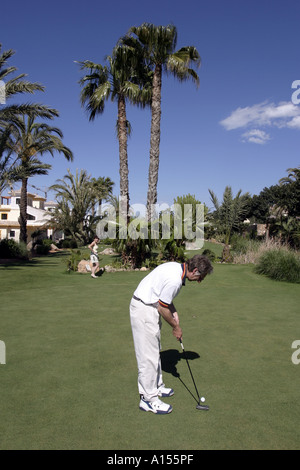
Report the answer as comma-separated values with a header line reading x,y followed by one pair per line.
x,y
68,243
211,255
74,259
240,245
9,248
43,247
281,265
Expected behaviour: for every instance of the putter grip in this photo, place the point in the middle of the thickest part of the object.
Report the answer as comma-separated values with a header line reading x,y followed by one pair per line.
x,y
181,344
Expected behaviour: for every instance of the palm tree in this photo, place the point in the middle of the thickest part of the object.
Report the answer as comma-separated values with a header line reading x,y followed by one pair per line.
x,y
9,114
158,44
18,85
229,214
102,189
75,200
119,81
32,139
294,175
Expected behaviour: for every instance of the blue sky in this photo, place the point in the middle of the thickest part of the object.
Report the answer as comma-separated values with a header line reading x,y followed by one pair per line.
x,y
239,128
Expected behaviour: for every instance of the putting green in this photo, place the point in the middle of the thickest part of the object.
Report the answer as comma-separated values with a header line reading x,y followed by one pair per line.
x,y
70,378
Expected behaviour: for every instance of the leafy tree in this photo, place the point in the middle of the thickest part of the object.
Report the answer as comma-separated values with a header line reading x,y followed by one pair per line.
x,y
285,195
158,44
291,191
187,201
229,214
289,231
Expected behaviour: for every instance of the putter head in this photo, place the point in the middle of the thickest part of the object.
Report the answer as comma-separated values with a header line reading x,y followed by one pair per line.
x,y
202,407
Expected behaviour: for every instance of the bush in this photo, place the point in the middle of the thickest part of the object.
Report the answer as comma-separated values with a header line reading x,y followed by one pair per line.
x,y
68,243
43,247
74,259
9,248
209,254
281,265
240,245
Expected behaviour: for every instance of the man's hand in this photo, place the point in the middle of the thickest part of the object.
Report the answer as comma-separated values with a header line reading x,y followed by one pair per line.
x,y
171,317
177,332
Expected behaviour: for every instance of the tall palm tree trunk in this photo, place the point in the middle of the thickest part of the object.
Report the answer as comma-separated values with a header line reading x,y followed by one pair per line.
x,y
154,141
124,181
23,211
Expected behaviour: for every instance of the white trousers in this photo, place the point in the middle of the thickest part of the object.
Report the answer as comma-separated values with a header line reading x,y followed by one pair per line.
x,y
146,325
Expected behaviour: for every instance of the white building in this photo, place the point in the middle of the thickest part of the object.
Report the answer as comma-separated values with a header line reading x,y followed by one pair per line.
x,y
38,215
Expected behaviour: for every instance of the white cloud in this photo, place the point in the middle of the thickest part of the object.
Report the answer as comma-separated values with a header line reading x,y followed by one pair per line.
x,y
256,136
295,123
284,114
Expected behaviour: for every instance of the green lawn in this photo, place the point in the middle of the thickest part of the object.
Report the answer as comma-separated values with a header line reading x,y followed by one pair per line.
x,y
70,378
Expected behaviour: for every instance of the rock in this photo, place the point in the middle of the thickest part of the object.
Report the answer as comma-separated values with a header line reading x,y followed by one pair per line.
x,y
109,269
54,247
85,266
108,251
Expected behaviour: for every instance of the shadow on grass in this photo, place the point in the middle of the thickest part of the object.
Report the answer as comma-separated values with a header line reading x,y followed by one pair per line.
x,y
15,263
169,360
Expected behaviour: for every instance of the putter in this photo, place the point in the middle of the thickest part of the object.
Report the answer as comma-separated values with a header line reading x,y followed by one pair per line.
x,y
199,405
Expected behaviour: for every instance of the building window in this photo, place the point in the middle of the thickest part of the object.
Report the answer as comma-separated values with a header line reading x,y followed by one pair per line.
x,y
18,200
3,216
12,233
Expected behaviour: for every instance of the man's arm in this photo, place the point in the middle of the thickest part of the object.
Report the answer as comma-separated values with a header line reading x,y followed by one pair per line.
x,y
170,315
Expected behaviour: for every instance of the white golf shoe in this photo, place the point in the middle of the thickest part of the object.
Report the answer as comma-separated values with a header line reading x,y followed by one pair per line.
x,y
157,406
165,392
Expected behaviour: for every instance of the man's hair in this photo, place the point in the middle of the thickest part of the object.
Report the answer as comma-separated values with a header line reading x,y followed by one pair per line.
x,y
201,262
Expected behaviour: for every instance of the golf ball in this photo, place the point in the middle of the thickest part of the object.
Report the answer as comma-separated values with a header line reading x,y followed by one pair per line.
x,y
202,399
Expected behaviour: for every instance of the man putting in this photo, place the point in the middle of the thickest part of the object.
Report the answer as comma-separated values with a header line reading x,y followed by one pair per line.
x,y
152,300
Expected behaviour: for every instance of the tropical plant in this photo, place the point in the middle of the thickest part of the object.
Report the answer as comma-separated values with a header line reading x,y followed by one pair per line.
x,y
291,195
289,230
75,200
158,44
18,85
228,215
32,139
121,80
73,259
102,190
10,114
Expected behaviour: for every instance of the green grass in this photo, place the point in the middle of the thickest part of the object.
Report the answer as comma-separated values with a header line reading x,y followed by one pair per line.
x,y
70,378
